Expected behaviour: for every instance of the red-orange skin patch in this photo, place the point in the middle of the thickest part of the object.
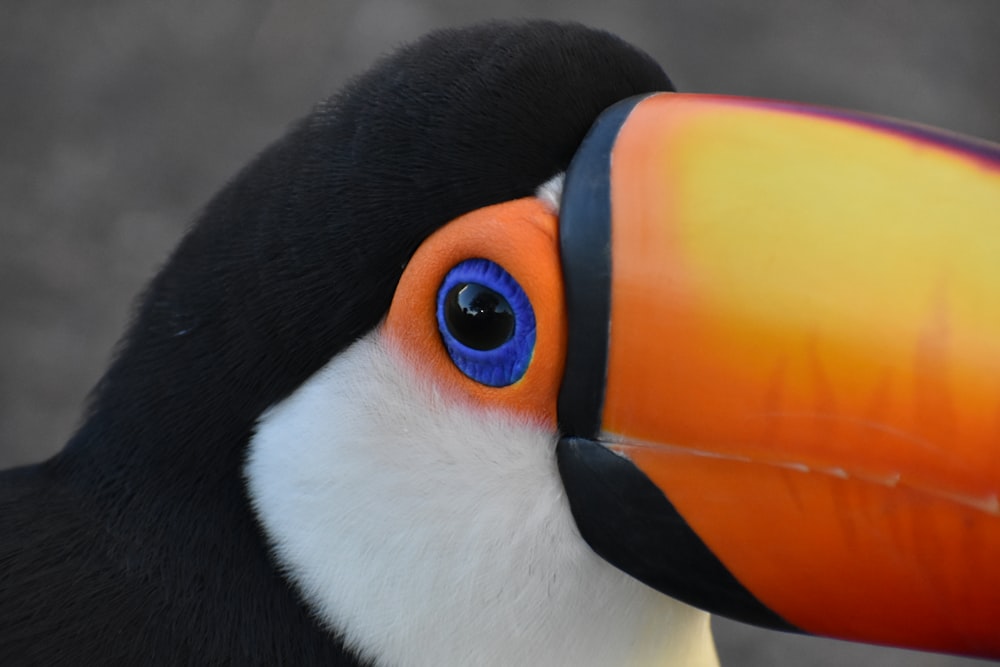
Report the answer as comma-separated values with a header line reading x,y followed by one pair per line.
x,y
522,237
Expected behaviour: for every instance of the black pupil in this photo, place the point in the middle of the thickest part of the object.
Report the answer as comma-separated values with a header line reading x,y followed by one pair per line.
x,y
478,317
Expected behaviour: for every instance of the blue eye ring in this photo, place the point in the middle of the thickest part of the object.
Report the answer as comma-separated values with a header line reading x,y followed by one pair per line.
x,y
510,348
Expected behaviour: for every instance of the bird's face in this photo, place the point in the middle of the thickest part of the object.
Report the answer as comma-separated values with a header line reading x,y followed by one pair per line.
x,y
753,357
410,487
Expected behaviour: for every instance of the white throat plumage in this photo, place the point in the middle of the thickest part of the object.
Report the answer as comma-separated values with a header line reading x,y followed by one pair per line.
x,y
428,532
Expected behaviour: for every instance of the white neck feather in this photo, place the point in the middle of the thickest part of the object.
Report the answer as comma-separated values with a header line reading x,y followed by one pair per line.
x,y
425,532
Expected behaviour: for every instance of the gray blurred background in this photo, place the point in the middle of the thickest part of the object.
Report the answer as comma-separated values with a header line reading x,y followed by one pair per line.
x,y
119,119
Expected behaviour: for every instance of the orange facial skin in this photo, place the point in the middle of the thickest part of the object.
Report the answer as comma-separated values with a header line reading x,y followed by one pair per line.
x,y
522,237
805,357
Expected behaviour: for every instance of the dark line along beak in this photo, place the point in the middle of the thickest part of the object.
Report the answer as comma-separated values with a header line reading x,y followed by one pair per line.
x,y
782,393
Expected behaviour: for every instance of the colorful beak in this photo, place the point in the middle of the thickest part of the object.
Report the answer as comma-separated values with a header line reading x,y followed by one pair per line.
x,y
781,400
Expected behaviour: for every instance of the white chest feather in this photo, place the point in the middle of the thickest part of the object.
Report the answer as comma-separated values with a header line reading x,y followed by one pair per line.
x,y
430,533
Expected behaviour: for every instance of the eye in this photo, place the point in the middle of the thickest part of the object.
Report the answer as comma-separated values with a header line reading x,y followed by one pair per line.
x,y
478,317
486,322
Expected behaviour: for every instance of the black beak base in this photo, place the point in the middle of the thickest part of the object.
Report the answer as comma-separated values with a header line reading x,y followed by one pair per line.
x,y
629,522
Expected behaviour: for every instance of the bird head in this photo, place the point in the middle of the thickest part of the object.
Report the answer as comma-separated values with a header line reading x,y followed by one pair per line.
x,y
538,357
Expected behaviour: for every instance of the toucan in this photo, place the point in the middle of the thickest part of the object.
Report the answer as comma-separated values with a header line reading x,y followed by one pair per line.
x,y
510,354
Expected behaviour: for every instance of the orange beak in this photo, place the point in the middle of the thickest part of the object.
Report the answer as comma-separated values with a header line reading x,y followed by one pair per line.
x,y
782,389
